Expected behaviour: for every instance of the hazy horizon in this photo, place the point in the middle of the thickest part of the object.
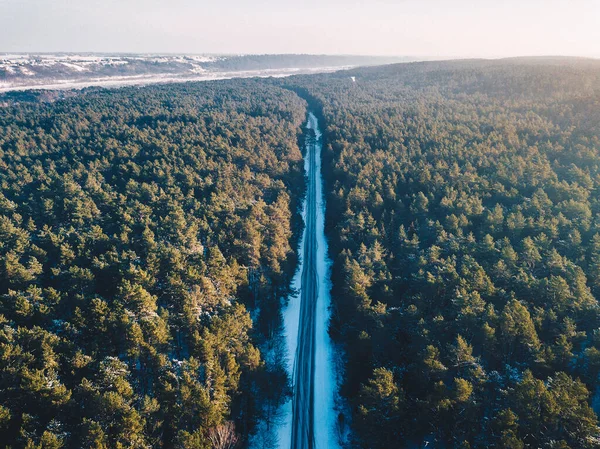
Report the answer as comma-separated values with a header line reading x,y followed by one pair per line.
x,y
431,28
426,58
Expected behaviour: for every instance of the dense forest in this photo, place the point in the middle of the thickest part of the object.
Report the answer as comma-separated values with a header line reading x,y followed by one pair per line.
x,y
464,224
147,236
137,228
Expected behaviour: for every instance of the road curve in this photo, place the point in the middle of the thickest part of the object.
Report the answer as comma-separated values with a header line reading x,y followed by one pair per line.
x,y
303,412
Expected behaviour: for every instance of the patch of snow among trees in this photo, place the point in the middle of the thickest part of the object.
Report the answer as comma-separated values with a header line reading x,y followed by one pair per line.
x,y
74,67
25,71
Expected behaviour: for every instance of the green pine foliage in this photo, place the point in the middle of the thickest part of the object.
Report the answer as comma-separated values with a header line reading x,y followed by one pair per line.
x,y
141,228
464,224
136,227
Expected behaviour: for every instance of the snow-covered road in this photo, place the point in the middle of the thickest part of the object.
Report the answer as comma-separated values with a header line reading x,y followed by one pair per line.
x,y
310,421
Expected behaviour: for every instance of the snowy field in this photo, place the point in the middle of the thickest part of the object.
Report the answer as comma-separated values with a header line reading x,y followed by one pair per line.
x,y
141,80
76,71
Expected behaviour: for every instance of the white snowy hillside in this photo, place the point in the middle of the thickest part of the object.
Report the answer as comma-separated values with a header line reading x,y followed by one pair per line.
x,y
67,70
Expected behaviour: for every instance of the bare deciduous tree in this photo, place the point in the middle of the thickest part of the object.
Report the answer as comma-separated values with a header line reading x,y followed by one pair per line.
x,y
223,436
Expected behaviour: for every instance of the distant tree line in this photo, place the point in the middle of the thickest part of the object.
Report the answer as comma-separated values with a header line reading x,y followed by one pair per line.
x,y
291,61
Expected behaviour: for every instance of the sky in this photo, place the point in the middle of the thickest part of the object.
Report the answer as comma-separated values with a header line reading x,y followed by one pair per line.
x,y
427,28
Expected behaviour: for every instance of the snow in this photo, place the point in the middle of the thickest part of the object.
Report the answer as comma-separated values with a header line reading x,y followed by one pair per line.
x,y
326,436
86,59
325,378
291,320
203,58
25,71
75,67
11,56
113,62
142,80
197,69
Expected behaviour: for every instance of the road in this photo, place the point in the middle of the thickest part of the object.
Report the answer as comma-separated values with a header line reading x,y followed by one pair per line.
x,y
303,409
